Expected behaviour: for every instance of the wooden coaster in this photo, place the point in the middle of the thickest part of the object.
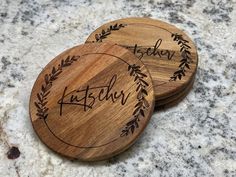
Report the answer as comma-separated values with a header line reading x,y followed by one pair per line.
x,y
168,52
92,101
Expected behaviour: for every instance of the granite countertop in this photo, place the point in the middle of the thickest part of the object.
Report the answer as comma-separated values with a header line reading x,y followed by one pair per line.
x,y
195,138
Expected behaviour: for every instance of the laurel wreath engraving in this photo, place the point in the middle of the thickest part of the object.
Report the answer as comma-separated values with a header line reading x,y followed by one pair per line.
x,y
139,108
42,110
105,33
184,49
142,104
185,54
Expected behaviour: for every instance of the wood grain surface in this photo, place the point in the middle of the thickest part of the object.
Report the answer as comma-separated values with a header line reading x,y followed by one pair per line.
x,y
168,53
92,101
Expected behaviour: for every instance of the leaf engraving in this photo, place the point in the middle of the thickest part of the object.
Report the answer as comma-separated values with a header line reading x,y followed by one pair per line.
x,y
41,103
185,54
141,105
105,32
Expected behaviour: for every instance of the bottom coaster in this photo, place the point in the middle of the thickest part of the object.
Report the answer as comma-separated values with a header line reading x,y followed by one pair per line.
x,y
174,100
176,97
92,101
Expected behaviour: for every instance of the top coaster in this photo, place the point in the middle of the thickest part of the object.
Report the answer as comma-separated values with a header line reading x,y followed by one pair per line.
x,y
168,52
92,101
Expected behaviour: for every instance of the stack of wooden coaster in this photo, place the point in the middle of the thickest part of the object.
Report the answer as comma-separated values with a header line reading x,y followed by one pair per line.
x,y
169,54
94,100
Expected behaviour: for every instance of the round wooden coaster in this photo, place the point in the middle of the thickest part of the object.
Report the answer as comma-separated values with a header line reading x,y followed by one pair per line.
x,y
92,101
168,52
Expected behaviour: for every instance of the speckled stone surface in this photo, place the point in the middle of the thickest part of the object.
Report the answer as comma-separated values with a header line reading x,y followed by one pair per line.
x,y
195,138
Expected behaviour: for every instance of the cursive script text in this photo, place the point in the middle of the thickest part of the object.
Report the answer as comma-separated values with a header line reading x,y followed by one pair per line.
x,y
87,97
140,51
